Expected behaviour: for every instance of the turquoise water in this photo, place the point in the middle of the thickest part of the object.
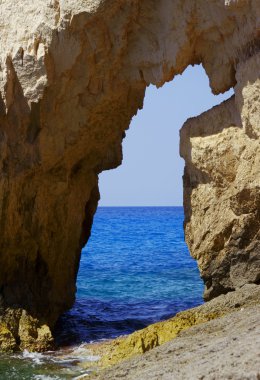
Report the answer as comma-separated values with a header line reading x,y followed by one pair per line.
x,y
135,270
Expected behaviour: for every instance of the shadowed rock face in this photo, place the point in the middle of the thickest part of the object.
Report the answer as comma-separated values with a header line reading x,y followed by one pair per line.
x,y
72,75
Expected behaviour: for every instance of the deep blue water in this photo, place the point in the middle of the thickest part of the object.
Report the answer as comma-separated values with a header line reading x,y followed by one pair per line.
x,y
135,270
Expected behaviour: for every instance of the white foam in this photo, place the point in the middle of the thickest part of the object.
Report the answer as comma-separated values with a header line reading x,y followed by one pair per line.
x,y
78,354
80,377
36,357
92,358
66,361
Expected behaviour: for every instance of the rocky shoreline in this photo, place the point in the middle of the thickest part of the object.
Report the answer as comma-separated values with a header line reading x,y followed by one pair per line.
x,y
225,348
217,340
72,76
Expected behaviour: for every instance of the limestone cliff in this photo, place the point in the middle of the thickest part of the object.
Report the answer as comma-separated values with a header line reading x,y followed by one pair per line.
x,y
221,149
72,75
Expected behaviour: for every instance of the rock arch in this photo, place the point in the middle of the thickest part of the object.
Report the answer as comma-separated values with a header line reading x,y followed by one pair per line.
x,y
73,74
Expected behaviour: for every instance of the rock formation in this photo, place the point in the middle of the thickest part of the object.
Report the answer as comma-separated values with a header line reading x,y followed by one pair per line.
x,y
221,149
118,351
226,347
72,75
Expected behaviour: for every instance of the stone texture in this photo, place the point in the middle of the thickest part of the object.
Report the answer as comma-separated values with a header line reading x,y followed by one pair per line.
x,y
123,348
72,75
19,330
224,348
221,149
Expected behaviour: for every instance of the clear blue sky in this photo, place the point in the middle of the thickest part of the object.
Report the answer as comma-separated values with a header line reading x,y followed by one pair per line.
x,y
151,173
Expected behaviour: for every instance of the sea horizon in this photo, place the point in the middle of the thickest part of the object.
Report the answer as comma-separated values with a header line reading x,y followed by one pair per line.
x,y
140,206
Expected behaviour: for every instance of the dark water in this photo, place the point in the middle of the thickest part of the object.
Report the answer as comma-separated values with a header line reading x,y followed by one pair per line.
x,y
135,270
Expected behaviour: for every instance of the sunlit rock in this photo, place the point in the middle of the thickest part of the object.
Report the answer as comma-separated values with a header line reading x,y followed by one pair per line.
x,y
72,75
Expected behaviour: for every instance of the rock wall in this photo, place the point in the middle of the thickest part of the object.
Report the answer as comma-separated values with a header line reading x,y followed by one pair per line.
x,y
221,149
72,75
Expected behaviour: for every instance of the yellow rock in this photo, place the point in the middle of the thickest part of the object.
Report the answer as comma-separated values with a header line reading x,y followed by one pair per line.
x,y
7,340
154,335
123,348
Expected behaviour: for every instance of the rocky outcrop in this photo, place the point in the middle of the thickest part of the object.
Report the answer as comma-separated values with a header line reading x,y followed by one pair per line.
x,y
226,347
123,348
72,75
222,186
18,330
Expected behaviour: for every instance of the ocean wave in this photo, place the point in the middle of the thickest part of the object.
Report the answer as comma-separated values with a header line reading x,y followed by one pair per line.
x,y
35,357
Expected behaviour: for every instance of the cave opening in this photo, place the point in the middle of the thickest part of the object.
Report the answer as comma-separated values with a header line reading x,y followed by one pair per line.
x,y
136,268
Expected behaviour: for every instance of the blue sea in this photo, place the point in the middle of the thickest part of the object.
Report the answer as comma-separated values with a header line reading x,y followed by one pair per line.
x,y
135,270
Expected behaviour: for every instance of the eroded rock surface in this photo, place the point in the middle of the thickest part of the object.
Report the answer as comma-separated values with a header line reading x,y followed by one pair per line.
x,y
221,149
224,348
125,347
72,75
